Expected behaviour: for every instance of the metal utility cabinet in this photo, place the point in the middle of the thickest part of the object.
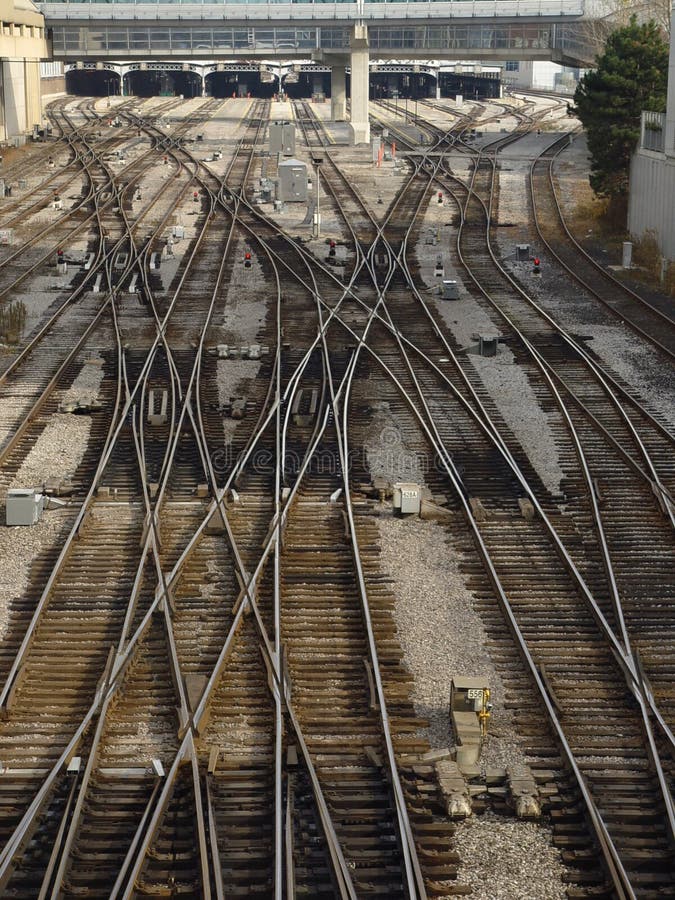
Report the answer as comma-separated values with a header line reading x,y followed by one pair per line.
x,y
282,138
23,506
292,184
450,290
407,498
469,712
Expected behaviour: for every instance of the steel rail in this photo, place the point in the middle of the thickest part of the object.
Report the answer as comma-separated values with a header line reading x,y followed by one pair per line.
x,y
107,451
34,809
153,824
607,275
419,391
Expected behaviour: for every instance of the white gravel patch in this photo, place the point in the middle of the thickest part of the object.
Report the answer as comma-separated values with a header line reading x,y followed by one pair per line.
x,y
441,635
386,452
248,294
59,450
19,546
86,386
508,859
440,632
465,317
509,387
57,453
231,375
515,399
512,208
637,362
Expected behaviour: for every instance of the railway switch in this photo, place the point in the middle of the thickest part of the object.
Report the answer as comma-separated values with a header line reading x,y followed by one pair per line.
x,y
469,712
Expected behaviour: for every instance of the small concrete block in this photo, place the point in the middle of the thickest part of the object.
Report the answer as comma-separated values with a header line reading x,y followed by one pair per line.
x,y
434,513
526,508
202,491
216,525
480,514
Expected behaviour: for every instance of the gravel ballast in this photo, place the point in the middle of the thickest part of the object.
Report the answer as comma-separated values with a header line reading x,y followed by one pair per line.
x,y
56,453
441,635
59,450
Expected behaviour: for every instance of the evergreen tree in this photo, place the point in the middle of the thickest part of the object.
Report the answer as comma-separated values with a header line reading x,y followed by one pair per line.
x,y
631,75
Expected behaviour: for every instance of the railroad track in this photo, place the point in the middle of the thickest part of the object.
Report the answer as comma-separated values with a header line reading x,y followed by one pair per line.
x,y
502,550
211,735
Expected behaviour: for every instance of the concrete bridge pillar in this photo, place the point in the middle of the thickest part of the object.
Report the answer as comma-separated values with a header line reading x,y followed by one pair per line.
x,y
20,100
338,94
360,122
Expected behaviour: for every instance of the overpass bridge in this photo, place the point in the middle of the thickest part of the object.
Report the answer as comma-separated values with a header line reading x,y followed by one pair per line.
x,y
338,34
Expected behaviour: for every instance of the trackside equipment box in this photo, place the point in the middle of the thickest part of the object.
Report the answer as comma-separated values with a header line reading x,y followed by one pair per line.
x,y
292,185
23,506
282,138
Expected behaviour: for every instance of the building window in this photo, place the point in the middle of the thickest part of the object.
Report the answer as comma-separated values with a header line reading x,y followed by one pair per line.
x,y
512,65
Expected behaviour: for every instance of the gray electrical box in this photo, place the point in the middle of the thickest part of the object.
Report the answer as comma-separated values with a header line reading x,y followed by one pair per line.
x,y
522,252
407,498
23,506
487,344
292,183
450,290
282,138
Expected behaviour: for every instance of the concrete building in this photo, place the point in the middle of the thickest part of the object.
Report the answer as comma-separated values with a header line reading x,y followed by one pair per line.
x,y
343,36
540,76
22,46
651,205
52,79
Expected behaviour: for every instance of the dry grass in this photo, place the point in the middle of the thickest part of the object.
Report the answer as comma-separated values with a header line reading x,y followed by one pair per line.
x,y
12,322
589,210
646,254
648,264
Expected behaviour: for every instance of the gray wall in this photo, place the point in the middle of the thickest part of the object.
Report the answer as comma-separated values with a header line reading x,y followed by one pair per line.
x,y
652,199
